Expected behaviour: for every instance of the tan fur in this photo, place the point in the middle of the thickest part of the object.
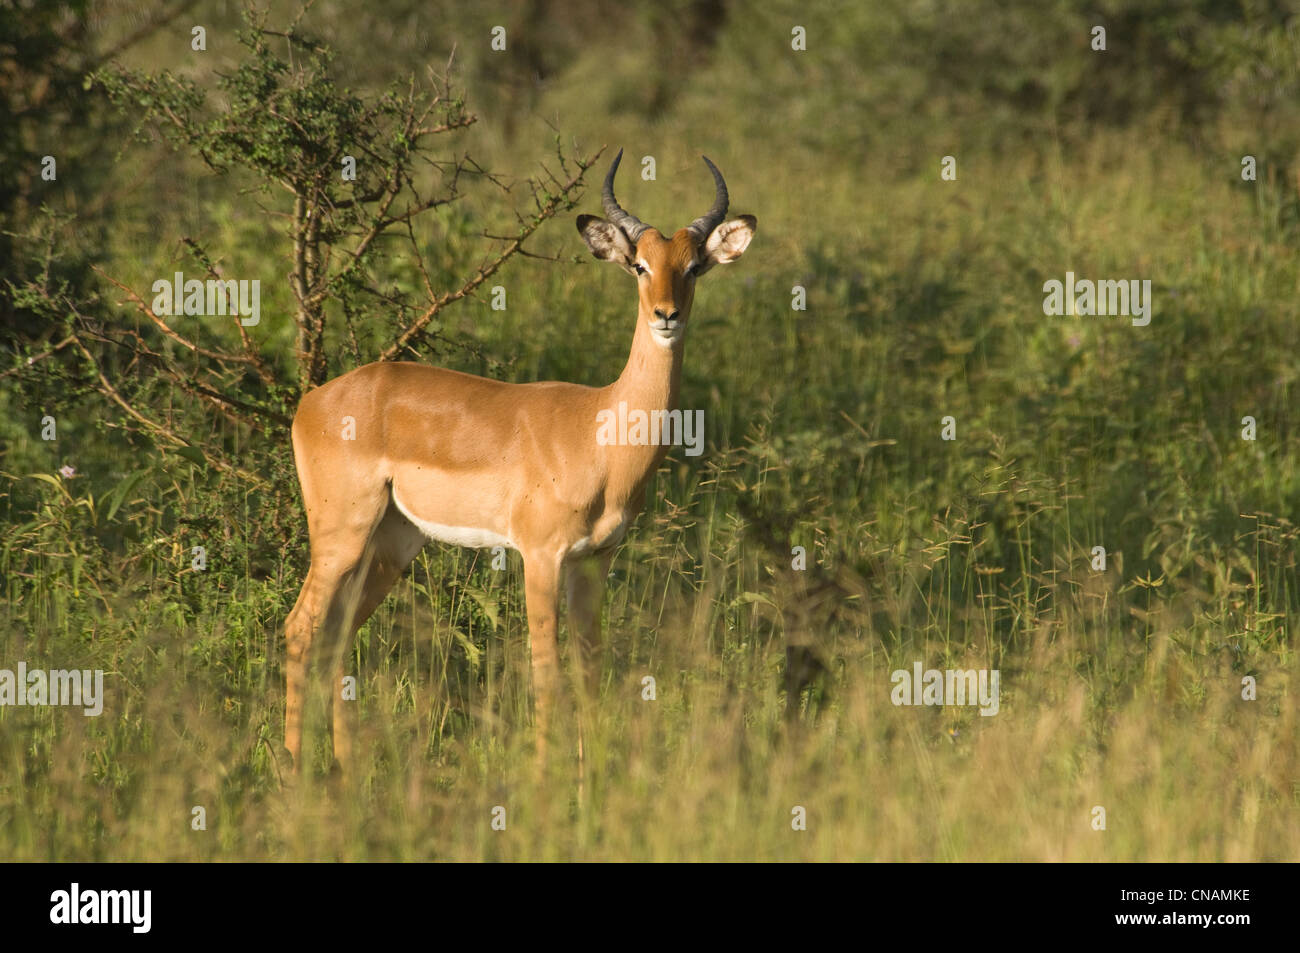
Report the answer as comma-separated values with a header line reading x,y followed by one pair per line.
x,y
518,460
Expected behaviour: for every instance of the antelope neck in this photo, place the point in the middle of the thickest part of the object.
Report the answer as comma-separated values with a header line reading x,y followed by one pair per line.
x,y
652,376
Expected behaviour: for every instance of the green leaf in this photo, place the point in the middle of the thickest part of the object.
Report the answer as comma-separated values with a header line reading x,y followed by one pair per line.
x,y
486,603
753,597
53,481
118,494
192,454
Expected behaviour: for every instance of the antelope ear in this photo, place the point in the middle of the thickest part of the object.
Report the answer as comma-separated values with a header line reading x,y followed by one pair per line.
x,y
607,241
728,242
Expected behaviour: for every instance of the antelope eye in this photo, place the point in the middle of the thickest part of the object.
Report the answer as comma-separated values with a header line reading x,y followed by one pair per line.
x,y
690,269
639,268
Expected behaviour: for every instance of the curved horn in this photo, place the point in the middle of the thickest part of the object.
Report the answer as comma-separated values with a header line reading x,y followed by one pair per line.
x,y
711,219
630,224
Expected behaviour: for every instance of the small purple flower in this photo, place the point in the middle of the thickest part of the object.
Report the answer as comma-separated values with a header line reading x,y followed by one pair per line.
x,y
67,472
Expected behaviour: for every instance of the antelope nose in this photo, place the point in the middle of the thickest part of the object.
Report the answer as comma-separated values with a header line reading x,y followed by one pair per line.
x,y
666,314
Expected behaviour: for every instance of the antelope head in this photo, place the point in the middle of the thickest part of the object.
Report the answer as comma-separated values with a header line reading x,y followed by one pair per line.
x,y
666,268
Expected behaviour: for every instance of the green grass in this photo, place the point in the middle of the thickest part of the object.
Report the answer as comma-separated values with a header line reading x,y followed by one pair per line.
x,y
1120,689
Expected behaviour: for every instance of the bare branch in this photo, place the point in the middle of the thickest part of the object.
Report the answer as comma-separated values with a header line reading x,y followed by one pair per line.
x,y
563,199
112,393
167,330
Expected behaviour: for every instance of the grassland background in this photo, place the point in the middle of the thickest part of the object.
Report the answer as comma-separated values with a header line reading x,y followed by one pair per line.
x,y
1120,688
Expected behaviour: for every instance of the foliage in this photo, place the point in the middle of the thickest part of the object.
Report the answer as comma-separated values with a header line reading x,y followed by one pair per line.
x,y
1120,687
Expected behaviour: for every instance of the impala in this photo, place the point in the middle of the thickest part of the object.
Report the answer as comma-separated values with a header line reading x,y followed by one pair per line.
x,y
392,455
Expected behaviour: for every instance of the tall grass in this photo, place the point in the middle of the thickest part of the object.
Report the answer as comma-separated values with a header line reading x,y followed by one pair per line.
x,y
1121,688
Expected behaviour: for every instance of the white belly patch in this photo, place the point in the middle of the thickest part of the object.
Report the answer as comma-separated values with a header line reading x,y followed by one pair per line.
x,y
471,536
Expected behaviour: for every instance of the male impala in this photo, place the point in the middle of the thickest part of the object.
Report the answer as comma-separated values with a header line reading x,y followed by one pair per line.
x,y
436,454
